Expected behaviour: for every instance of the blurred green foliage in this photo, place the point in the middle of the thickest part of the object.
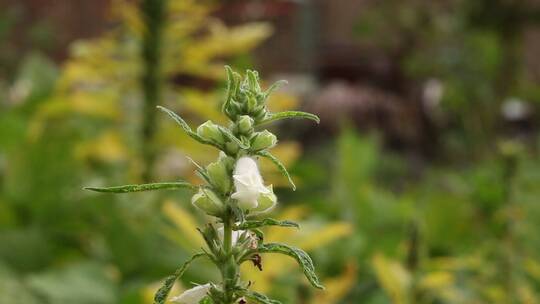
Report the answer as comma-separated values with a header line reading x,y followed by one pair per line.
x,y
454,235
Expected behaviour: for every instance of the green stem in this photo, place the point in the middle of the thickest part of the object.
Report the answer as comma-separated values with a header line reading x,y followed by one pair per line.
x,y
227,235
229,269
153,13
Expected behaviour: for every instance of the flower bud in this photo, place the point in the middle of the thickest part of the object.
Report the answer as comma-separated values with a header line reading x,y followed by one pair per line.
x,y
245,125
208,201
266,201
209,130
220,174
251,104
236,107
263,140
227,160
259,113
232,148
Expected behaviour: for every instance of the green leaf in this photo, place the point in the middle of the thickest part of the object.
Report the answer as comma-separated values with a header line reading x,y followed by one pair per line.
x,y
259,298
233,84
274,87
163,292
299,255
266,222
211,238
253,80
279,165
230,87
232,138
289,114
142,187
200,171
188,130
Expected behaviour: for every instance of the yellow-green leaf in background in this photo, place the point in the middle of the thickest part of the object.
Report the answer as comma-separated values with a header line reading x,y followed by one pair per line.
x,y
393,278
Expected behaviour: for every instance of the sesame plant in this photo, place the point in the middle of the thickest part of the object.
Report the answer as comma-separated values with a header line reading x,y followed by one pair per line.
x,y
234,195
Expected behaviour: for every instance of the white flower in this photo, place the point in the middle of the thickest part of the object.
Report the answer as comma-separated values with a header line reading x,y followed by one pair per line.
x,y
236,234
193,295
248,183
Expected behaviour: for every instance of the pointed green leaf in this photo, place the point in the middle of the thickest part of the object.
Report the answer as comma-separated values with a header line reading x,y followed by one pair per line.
x,y
211,238
201,172
163,292
266,222
299,255
274,87
188,130
232,138
288,114
279,165
259,298
253,80
142,187
230,88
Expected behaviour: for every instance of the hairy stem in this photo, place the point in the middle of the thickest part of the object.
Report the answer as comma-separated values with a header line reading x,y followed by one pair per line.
x,y
229,267
227,235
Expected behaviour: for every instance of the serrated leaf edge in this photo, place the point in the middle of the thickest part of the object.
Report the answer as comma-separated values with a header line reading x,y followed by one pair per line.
x,y
142,187
279,165
303,259
265,222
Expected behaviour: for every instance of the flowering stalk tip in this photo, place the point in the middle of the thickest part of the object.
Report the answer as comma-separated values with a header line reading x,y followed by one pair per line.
x,y
233,192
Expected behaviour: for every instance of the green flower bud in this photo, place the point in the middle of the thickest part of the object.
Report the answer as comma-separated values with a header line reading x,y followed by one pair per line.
x,y
251,104
263,140
245,125
236,107
208,201
227,160
259,113
266,201
209,130
232,148
220,174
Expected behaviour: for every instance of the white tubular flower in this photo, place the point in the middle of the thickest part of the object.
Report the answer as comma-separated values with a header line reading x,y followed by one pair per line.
x,y
248,183
193,295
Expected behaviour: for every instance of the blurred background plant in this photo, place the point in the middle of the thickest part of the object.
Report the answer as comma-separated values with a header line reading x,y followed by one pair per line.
x,y
421,185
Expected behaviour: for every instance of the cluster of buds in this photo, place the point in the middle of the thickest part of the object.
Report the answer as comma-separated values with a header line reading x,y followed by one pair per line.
x,y
245,97
245,106
233,193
